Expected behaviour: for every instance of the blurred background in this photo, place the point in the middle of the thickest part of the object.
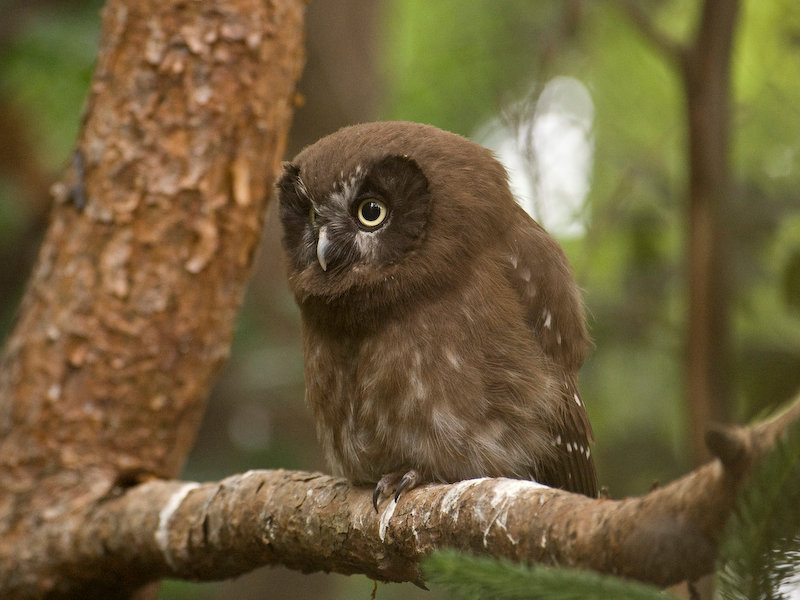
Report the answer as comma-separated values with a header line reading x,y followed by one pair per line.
x,y
590,119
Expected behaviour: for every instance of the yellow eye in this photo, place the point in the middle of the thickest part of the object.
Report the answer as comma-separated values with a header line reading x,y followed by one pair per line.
x,y
372,212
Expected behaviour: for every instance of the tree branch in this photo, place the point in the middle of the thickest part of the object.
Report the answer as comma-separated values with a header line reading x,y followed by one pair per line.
x,y
671,49
312,522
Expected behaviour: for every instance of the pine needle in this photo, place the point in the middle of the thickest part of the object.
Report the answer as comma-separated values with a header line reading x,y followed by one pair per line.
x,y
760,549
471,577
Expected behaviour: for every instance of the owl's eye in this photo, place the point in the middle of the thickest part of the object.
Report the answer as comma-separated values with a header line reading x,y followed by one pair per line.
x,y
371,212
312,215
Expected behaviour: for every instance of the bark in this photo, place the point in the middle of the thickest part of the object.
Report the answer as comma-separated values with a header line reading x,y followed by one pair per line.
x,y
311,521
130,309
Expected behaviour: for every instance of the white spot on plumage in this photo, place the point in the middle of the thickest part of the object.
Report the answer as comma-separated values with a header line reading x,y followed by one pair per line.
x,y
420,389
445,423
366,243
577,399
525,273
548,318
452,358
301,188
513,260
344,189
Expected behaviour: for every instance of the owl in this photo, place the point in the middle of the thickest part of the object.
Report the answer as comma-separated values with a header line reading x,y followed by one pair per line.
x,y
442,327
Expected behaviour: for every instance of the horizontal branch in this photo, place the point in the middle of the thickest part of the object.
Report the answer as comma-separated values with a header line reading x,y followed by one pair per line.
x,y
314,522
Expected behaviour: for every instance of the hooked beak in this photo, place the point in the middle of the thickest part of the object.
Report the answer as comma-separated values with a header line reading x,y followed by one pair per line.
x,y
322,246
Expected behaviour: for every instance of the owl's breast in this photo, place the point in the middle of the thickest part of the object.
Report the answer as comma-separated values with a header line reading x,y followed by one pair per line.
x,y
445,389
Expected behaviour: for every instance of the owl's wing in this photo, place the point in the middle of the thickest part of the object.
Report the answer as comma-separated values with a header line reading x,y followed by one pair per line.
x,y
572,468
541,275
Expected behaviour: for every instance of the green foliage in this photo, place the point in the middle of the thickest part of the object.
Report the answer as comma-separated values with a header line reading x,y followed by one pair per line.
x,y
46,70
443,57
760,548
471,577
759,551
791,280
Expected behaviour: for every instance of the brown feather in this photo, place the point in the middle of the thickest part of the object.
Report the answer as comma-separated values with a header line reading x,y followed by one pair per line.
x,y
445,342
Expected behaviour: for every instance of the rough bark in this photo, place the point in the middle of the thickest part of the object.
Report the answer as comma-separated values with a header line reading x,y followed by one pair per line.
x,y
130,309
311,521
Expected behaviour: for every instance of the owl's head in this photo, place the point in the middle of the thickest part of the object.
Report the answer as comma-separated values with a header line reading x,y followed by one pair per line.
x,y
387,209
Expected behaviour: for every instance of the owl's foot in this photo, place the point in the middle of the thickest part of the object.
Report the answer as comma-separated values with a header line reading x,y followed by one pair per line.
x,y
398,483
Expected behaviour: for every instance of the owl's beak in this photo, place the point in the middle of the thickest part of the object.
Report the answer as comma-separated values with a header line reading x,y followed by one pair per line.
x,y
322,246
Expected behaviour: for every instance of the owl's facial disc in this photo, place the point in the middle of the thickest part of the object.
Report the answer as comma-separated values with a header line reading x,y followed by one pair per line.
x,y
353,223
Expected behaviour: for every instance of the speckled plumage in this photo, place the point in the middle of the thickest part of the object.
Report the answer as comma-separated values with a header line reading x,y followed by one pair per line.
x,y
445,341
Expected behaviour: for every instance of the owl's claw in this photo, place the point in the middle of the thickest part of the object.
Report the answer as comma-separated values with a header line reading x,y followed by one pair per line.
x,y
398,482
407,482
377,494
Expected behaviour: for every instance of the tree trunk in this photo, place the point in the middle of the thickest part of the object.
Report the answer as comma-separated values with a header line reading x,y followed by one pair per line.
x,y
130,309
706,70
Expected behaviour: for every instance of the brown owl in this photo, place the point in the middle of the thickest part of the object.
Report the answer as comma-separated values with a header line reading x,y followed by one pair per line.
x,y
442,327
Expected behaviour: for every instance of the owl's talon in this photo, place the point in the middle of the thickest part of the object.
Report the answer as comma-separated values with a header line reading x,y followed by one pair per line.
x,y
386,484
375,495
408,482
398,482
